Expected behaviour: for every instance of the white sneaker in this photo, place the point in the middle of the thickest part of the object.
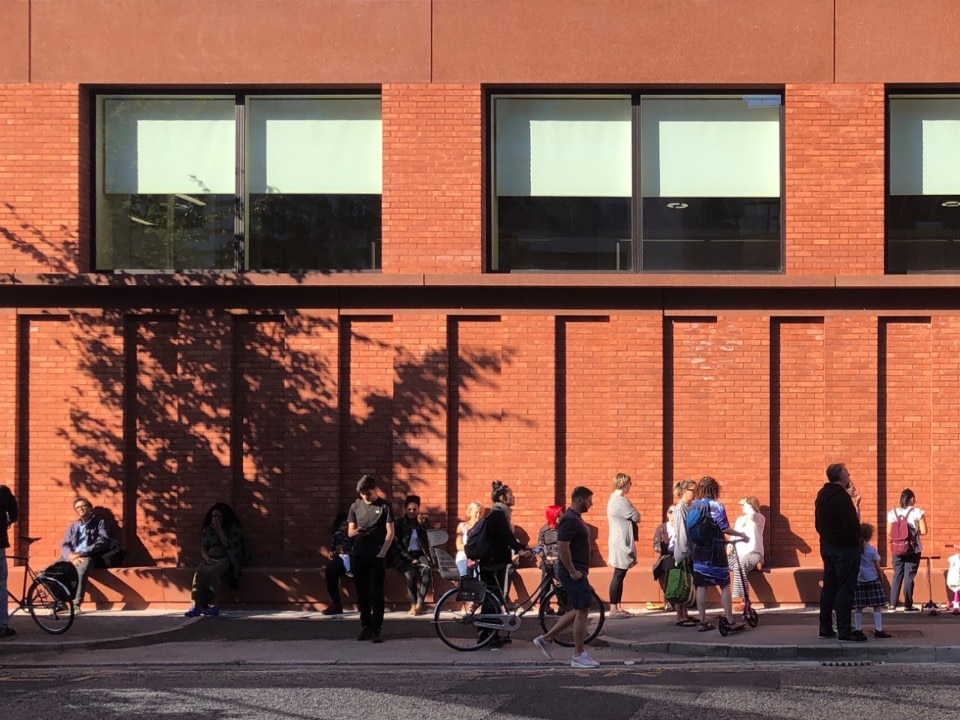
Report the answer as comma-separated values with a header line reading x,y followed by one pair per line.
x,y
546,646
583,661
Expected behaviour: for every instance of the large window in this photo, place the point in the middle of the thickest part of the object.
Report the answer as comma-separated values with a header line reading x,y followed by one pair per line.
x,y
636,182
238,183
923,204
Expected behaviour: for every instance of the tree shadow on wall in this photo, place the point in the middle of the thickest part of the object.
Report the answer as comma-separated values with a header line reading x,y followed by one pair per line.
x,y
181,403
25,237
246,409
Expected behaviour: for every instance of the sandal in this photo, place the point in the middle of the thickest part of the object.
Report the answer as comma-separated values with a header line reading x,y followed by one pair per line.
x,y
736,627
689,622
620,615
706,627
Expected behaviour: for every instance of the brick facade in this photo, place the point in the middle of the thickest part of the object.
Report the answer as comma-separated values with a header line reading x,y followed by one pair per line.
x,y
158,395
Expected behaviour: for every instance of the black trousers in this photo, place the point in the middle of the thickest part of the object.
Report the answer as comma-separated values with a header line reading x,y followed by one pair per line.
x,y
368,575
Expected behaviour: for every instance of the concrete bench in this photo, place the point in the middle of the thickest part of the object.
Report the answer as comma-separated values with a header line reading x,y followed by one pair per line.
x,y
303,588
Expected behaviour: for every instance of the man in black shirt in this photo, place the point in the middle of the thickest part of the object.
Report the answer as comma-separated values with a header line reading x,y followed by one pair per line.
x,y
370,524
838,523
573,547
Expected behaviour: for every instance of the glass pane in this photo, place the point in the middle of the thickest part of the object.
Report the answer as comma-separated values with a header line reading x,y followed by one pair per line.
x,y
711,234
167,232
923,233
181,145
575,147
320,232
314,183
562,233
315,146
563,183
710,147
167,184
924,146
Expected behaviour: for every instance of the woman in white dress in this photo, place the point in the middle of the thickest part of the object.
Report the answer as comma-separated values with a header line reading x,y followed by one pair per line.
x,y
622,519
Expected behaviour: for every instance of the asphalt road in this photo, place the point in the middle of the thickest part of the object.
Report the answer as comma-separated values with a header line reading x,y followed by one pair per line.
x,y
677,692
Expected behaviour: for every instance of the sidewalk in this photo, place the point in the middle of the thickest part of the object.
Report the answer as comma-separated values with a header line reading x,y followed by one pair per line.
x,y
291,637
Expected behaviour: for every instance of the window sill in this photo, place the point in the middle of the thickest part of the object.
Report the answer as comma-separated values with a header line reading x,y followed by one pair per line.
x,y
481,280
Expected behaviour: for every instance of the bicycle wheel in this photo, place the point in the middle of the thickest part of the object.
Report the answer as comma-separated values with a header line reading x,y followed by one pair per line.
x,y
454,625
555,605
52,615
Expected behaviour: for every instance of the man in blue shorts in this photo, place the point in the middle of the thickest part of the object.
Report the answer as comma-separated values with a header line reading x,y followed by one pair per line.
x,y
573,549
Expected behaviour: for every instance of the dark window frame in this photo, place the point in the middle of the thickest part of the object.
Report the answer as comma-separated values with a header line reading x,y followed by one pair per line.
x,y
899,257
636,199
240,96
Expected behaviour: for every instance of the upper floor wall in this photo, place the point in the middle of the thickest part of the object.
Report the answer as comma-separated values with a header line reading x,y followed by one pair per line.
x,y
478,41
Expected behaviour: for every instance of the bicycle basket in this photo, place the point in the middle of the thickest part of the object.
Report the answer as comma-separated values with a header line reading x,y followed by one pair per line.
x,y
471,590
66,575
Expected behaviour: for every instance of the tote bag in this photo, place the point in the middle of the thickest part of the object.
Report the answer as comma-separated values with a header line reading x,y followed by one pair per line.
x,y
679,590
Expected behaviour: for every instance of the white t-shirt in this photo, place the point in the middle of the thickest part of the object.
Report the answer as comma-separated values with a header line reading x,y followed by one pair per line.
x,y
913,515
751,525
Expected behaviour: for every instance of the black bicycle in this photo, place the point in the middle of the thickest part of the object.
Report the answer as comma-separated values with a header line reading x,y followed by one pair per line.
x,y
49,601
470,615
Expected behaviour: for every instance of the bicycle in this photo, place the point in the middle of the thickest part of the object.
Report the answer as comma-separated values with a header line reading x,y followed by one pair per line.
x,y
486,613
49,601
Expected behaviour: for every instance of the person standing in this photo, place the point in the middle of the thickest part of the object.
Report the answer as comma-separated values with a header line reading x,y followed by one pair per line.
x,y
8,515
503,545
496,565
684,493
869,592
573,547
905,566
622,519
838,524
710,567
370,524
412,553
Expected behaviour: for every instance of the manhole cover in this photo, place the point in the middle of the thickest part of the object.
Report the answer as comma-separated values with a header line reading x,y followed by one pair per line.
x,y
898,633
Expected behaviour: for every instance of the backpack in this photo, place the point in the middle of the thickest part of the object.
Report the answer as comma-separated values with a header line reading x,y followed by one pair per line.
x,y
66,573
702,529
903,536
477,546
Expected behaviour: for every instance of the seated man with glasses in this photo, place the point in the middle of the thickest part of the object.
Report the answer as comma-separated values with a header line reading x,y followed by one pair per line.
x,y
88,543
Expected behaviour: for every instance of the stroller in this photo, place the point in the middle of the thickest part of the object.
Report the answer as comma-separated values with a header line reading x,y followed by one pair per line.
x,y
750,616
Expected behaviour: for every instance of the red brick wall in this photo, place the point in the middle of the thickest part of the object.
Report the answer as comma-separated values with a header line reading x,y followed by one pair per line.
x,y
834,169
44,163
906,423
278,411
45,424
477,407
433,179
797,459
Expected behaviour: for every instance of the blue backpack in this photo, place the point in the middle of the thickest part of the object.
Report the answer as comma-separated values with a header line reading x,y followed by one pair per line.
x,y
702,529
